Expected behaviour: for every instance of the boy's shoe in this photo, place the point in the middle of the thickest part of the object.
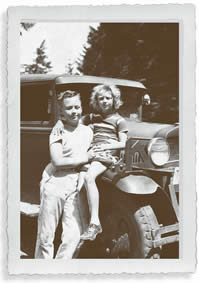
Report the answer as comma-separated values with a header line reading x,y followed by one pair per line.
x,y
91,233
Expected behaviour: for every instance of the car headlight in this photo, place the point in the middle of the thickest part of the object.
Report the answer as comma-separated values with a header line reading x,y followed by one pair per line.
x,y
158,150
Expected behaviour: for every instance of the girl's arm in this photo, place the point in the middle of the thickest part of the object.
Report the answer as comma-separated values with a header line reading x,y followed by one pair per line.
x,y
61,162
116,145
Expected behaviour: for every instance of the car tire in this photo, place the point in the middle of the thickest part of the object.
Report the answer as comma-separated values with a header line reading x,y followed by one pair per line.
x,y
127,221
128,232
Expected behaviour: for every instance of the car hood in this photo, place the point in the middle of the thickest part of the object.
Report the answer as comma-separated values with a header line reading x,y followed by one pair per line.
x,y
151,130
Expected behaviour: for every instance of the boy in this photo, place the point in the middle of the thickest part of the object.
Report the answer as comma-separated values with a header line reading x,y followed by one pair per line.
x,y
68,151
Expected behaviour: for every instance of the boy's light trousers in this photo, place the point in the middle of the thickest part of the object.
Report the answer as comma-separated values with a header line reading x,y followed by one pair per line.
x,y
59,198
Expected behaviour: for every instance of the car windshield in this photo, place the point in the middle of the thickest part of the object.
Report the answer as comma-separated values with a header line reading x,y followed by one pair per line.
x,y
161,110
130,96
133,107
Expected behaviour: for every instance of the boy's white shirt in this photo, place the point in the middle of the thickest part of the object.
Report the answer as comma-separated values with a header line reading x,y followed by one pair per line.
x,y
79,141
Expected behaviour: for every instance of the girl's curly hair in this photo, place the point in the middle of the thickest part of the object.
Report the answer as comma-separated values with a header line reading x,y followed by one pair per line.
x,y
101,89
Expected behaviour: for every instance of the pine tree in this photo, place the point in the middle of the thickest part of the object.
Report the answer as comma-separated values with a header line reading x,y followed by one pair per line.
x,y
71,68
145,52
41,64
26,27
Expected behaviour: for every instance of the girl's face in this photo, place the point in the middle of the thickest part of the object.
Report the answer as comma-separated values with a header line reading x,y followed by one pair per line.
x,y
71,110
105,102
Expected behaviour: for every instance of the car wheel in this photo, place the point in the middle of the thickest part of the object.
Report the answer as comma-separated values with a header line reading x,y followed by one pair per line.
x,y
128,221
127,233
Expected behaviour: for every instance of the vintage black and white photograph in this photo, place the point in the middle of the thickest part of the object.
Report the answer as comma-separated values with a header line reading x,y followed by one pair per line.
x,y
100,126
109,91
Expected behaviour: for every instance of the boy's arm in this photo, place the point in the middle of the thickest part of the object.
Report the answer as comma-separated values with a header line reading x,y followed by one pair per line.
x,y
59,161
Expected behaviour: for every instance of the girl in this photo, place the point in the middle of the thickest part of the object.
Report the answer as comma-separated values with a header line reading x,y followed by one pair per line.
x,y
109,135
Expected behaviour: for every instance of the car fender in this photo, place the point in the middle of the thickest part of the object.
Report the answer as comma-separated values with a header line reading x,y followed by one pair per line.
x,y
135,184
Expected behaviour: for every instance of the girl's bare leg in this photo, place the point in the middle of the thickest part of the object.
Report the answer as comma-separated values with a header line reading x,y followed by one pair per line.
x,y
81,180
94,171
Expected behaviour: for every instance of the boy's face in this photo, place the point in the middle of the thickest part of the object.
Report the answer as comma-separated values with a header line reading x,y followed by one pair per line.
x,y
71,110
105,102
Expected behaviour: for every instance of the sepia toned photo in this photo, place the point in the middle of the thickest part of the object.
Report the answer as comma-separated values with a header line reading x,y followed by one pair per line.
x,y
99,141
135,196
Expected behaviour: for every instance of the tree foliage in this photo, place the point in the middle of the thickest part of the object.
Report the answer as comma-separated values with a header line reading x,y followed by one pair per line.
x,y
146,52
41,64
26,27
71,68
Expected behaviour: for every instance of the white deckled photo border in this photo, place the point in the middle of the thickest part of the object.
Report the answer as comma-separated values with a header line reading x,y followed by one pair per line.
x,y
184,14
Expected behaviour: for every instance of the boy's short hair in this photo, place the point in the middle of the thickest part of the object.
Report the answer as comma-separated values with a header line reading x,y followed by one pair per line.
x,y
101,89
66,94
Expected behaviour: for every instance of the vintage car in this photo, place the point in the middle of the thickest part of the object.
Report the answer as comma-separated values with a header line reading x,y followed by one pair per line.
x,y
139,198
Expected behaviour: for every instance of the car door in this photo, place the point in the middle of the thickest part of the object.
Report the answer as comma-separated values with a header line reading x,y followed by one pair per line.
x,y
36,123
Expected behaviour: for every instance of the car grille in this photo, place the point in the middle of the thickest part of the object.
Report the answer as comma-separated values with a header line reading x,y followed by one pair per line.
x,y
137,155
136,158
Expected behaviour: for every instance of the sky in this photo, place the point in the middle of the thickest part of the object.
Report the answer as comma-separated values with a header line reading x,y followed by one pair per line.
x,y
64,42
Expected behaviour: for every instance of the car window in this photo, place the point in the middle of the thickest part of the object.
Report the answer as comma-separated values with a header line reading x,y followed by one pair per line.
x,y
132,99
36,104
